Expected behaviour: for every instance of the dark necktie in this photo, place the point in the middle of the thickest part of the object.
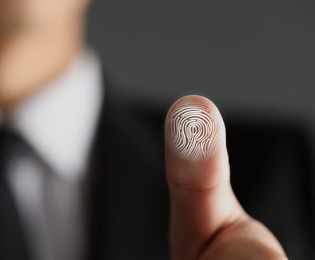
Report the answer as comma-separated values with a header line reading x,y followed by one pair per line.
x,y
44,203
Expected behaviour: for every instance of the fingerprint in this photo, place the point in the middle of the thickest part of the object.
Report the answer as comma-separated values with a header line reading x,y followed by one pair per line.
x,y
192,131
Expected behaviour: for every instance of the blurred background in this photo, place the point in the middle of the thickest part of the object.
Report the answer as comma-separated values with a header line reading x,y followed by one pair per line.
x,y
243,54
255,59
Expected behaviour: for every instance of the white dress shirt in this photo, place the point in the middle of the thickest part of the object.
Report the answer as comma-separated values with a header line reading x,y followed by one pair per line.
x,y
59,122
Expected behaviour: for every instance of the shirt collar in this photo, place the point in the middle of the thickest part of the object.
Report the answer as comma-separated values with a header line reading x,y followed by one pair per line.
x,y
60,120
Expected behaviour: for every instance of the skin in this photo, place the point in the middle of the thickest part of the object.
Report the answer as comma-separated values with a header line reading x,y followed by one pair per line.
x,y
207,221
38,39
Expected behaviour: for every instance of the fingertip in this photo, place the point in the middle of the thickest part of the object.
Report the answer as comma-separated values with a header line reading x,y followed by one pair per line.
x,y
194,127
197,171
195,150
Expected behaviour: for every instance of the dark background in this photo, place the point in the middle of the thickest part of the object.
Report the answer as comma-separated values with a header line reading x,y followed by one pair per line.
x,y
244,54
255,59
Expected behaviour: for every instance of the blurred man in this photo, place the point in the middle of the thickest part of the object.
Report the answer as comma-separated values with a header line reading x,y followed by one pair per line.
x,y
48,81
57,202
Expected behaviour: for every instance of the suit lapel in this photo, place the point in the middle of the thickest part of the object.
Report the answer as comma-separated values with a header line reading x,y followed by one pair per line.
x,y
12,244
128,195
98,180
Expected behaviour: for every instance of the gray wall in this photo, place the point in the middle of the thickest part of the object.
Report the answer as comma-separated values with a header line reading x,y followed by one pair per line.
x,y
244,54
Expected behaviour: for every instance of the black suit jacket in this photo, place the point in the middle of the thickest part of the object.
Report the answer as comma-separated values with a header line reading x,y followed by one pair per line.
x,y
127,196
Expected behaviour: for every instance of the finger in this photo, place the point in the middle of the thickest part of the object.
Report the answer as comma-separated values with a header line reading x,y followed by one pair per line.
x,y
197,169
247,239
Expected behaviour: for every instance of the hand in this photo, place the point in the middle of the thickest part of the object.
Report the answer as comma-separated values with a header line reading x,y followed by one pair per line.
x,y
207,221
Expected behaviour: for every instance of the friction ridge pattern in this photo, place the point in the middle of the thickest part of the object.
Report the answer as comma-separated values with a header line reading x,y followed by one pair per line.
x,y
192,131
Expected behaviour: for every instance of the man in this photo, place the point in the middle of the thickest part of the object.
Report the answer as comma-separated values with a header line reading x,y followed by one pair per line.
x,y
85,178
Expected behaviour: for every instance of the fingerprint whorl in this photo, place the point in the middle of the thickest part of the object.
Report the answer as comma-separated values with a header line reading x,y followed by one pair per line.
x,y
192,131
